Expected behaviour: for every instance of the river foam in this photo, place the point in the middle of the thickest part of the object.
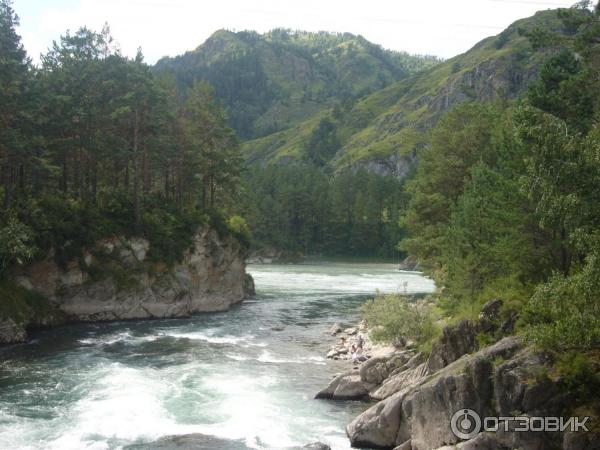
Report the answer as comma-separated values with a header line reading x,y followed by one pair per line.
x,y
247,374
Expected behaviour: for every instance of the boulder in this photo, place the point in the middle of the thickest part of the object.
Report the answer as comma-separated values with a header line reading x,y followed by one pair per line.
x,y
420,411
581,441
350,387
332,353
455,342
399,381
335,329
375,370
347,386
351,331
378,426
249,287
516,387
405,446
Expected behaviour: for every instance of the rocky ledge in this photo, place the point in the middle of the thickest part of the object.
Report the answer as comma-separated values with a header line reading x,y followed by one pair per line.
x,y
117,280
418,395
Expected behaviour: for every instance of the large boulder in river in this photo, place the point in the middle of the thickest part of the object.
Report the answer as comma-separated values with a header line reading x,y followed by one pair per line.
x,y
378,426
347,386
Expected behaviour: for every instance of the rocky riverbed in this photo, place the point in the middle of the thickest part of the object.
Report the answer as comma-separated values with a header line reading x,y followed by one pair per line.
x,y
417,395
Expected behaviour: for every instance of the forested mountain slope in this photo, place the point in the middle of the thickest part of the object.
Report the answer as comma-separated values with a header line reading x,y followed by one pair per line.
x,y
272,81
383,130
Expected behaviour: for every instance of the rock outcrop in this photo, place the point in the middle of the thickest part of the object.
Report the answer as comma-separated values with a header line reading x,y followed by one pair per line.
x,y
118,281
501,380
418,395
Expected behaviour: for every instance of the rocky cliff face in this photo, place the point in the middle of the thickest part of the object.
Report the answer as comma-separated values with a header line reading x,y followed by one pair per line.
x,y
418,396
117,281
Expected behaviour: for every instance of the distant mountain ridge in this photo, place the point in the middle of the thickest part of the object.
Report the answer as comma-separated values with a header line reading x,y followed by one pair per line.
x,y
287,91
272,81
384,130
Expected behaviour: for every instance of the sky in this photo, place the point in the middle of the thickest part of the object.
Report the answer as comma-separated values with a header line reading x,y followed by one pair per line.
x,y
443,28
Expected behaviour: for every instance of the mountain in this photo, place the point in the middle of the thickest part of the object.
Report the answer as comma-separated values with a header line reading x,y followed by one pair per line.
x,y
273,81
383,131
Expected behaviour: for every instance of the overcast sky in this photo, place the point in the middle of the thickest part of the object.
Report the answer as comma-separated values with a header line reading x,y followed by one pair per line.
x,y
170,27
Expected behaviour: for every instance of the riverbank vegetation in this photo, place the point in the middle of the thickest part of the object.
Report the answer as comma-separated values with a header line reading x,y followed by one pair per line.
x,y
92,144
504,203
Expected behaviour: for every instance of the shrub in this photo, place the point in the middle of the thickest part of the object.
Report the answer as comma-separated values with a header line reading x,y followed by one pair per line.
x,y
578,375
238,226
16,244
564,314
395,317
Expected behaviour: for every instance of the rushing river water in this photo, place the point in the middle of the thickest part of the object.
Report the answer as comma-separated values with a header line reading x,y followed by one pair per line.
x,y
231,374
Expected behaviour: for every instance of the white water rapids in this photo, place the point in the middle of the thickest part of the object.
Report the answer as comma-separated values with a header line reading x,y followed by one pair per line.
x,y
106,386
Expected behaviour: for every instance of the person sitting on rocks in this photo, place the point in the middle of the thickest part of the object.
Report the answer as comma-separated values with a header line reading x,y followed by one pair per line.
x,y
357,355
360,342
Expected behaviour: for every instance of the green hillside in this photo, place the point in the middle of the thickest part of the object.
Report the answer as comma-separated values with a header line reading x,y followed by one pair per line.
x,y
271,81
382,131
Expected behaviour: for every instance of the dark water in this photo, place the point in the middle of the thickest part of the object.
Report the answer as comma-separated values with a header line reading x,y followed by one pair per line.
x,y
104,386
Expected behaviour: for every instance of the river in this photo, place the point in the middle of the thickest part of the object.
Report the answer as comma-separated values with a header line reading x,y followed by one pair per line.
x,y
105,386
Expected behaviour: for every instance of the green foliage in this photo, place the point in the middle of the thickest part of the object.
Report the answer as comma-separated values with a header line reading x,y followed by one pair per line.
x,y
389,123
92,145
578,374
16,244
239,227
564,313
505,201
323,143
261,80
21,305
563,90
300,209
465,136
395,317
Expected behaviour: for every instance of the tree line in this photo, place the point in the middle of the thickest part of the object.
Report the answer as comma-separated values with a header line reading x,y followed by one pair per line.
x,y
504,203
93,142
301,209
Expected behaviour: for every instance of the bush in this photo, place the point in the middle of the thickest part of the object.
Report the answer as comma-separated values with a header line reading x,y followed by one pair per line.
x,y
16,244
395,317
564,314
238,226
578,375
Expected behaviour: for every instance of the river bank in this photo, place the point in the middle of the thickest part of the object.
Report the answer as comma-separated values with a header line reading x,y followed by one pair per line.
x,y
249,374
418,396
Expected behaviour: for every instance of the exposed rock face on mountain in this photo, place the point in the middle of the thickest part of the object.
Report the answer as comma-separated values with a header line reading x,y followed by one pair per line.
x,y
117,281
384,131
